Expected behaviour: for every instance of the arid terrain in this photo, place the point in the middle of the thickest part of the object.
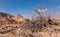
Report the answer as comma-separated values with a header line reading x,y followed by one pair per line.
x,y
38,26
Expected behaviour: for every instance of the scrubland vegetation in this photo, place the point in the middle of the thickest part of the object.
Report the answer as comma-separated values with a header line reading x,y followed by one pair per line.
x,y
40,25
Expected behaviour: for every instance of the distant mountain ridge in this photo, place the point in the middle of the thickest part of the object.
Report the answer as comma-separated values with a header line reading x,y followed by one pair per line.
x,y
2,14
6,18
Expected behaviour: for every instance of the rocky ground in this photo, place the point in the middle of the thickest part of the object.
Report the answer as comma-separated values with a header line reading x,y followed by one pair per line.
x,y
16,31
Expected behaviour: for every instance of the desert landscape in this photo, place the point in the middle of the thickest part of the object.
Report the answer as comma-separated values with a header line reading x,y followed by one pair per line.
x,y
29,18
39,26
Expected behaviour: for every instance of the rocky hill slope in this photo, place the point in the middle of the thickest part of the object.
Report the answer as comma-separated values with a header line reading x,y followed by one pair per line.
x,y
2,14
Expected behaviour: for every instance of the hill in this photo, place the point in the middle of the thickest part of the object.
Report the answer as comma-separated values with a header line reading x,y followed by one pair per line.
x,y
2,14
